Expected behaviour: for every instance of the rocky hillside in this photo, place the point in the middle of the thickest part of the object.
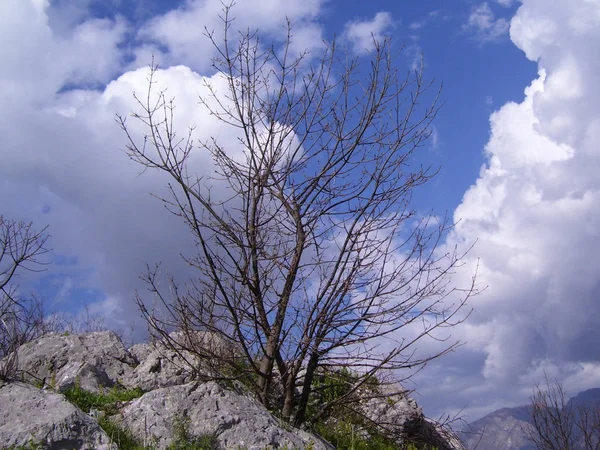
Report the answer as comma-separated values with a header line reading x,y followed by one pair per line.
x,y
151,396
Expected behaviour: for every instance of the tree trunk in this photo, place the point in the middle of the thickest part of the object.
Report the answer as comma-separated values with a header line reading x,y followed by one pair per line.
x,y
266,371
288,401
306,389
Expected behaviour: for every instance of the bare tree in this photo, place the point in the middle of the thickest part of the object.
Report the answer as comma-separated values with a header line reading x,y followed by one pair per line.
x,y
558,424
308,252
21,317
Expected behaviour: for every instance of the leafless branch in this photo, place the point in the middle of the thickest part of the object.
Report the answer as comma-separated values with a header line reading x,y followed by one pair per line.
x,y
308,252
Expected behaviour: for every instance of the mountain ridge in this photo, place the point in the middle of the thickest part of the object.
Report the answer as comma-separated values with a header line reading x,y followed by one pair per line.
x,y
506,428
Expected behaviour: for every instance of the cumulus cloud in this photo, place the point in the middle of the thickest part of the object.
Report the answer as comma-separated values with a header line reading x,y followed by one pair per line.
x,y
179,35
38,60
63,162
361,34
484,25
534,214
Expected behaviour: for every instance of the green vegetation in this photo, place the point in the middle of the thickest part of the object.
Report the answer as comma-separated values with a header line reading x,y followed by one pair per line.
x,y
120,436
342,425
347,436
107,401
183,440
330,387
30,446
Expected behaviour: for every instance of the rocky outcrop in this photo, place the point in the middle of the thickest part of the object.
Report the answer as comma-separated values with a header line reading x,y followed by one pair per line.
x,y
233,416
31,416
392,408
99,360
178,399
160,367
95,360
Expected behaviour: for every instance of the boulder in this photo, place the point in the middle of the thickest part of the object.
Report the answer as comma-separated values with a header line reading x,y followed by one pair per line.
x,y
161,367
390,407
231,415
96,360
31,416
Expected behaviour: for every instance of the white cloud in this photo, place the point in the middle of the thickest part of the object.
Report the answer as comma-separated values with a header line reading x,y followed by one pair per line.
x,y
73,174
62,155
484,24
362,33
432,16
182,31
534,214
36,61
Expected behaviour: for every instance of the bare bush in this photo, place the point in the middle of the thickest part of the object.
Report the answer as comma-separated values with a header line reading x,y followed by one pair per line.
x,y
21,317
558,424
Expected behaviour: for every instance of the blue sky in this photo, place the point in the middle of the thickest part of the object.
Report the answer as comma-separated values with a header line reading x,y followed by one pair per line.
x,y
516,141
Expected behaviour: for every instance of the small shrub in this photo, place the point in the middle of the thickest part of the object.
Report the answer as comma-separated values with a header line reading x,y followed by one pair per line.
x,y
120,436
183,441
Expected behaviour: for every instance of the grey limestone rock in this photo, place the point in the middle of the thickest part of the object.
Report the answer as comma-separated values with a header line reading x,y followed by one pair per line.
x,y
233,416
29,415
161,367
96,360
390,406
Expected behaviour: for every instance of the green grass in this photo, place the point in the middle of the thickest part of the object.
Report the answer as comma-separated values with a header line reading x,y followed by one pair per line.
x,y
107,401
120,436
30,446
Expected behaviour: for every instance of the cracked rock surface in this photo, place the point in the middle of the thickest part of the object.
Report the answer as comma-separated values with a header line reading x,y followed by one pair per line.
x,y
96,360
34,416
233,416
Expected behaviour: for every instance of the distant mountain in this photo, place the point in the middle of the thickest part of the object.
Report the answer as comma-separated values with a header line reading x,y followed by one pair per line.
x,y
589,398
506,428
